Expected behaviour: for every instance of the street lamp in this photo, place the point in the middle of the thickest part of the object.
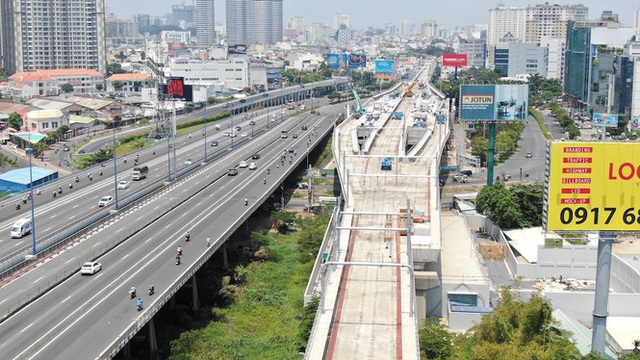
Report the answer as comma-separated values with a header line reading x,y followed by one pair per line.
x,y
115,160
33,214
253,123
205,131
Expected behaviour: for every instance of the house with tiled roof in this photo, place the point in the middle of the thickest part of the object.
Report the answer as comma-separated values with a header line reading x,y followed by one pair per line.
x,y
131,83
27,84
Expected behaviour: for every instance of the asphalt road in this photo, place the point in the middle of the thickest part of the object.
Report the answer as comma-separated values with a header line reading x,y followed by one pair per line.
x,y
67,208
81,316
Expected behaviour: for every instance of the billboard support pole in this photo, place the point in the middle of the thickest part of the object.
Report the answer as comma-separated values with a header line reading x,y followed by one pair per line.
x,y
603,277
491,152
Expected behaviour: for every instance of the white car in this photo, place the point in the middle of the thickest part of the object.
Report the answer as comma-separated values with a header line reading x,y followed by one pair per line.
x,y
244,134
123,184
90,268
253,166
188,162
105,201
243,164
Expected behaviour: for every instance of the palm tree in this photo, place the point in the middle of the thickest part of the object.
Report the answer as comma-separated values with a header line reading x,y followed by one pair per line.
x,y
636,347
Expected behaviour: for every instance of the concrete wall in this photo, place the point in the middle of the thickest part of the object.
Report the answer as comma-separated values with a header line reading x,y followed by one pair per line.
x,y
624,277
580,304
460,321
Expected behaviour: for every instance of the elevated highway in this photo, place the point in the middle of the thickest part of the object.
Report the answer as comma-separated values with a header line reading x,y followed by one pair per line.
x,y
388,230
91,317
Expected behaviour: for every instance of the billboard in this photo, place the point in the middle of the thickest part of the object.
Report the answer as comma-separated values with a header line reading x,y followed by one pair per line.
x,y
494,102
357,61
177,46
333,60
592,187
605,119
238,49
384,66
454,60
176,89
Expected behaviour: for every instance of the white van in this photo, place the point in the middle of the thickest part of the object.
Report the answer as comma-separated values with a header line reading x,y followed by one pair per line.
x,y
21,228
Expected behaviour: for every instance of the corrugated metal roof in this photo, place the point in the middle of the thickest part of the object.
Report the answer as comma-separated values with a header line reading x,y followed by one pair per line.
x,y
580,334
21,176
45,114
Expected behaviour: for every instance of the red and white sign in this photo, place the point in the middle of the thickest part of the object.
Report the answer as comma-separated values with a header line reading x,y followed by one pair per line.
x,y
454,60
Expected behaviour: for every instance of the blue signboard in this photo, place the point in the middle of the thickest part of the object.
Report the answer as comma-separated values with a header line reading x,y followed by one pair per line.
x,y
605,119
357,61
333,60
384,66
494,102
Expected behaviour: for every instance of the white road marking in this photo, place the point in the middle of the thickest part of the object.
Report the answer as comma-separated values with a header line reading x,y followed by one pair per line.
x,y
28,326
119,230
38,279
75,206
65,299
70,260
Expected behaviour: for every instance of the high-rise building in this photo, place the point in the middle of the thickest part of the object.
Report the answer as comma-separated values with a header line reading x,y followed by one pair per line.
x,y
506,25
551,20
52,34
405,28
205,23
341,19
298,23
254,21
183,15
429,30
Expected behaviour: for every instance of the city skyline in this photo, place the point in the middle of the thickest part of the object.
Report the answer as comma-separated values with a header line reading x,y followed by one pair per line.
x,y
363,16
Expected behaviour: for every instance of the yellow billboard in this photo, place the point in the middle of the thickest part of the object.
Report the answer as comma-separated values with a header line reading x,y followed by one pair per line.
x,y
593,186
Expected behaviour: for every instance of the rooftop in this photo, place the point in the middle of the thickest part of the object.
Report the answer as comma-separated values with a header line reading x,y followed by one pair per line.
x,y
48,104
50,75
21,176
90,103
45,114
128,77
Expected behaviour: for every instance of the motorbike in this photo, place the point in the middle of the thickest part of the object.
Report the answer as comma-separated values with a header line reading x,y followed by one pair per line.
x,y
246,202
151,291
139,305
77,179
70,186
178,260
132,293
17,206
60,190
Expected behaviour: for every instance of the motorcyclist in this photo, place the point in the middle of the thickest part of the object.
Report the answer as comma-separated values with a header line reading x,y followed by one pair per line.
x,y
246,201
38,192
24,199
264,180
152,289
268,171
77,179
179,250
132,291
187,236
59,189
100,172
139,304
70,185
178,259
17,206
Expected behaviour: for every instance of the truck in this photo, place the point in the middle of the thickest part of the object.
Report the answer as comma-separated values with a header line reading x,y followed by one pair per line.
x,y
291,106
21,228
283,134
139,172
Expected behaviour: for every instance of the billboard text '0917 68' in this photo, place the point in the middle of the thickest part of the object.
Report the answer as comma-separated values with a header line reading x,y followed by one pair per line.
x,y
593,186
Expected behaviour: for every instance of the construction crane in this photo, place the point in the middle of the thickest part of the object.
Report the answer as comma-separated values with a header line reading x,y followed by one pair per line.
x,y
359,109
407,91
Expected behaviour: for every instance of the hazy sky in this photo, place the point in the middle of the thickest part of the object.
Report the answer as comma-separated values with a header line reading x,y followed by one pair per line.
x,y
378,12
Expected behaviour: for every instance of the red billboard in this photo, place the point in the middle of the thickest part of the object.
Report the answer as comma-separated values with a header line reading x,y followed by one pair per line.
x,y
454,60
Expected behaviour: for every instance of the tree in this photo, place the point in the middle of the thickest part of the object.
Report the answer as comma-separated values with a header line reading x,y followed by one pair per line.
x,y
99,87
435,341
15,121
283,220
66,88
118,85
518,206
480,148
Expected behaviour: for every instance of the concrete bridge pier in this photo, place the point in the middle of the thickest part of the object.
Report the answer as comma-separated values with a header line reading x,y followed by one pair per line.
x,y
225,258
153,342
126,351
194,293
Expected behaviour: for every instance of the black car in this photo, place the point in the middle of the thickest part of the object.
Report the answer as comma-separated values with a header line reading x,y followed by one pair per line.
x,y
232,172
265,94
255,156
304,127
292,150
242,101
465,172
252,123
214,143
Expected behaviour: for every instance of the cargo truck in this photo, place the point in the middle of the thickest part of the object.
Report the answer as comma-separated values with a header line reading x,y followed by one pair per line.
x,y
139,172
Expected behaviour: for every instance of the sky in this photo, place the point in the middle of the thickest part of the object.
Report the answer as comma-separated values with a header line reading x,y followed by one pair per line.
x,y
376,13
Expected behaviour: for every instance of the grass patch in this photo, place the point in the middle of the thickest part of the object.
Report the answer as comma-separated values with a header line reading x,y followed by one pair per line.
x,y
266,319
536,114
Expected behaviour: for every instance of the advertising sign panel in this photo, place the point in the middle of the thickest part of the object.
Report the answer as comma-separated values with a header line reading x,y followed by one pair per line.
x,y
357,61
605,119
238,49
176,88
593,186
494,102
454,60
333,60
384,66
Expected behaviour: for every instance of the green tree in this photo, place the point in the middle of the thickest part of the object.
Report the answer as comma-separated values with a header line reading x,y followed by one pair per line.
x,y
283,220
66,87
118,85
531,200
480,148
505,144
435,341
15,121
99,87
499,205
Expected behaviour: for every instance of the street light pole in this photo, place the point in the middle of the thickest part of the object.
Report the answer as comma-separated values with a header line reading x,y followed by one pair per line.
x,y
231,132
33,214
115,161
205,131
